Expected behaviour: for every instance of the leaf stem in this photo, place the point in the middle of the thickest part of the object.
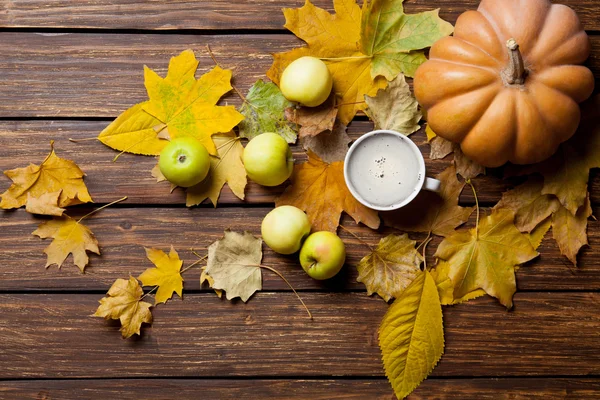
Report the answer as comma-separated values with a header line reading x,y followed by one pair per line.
x,y
358,238
101,208
279,274
149,292
82,140
345,58
193,264
210,53
424,240
476,206
349,104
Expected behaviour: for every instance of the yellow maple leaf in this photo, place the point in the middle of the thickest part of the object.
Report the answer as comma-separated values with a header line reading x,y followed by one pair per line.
x,y
226,168
69,237
179,105
54,174
204,277
319,189
124,302
46,204
390,267
446,286
411,335
166,275
485,257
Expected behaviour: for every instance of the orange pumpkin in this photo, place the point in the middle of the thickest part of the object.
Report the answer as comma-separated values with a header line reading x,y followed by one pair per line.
x,y
507,85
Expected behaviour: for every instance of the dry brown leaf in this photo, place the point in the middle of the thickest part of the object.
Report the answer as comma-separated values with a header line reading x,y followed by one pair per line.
x,y
124,302
69,237
485,257
52,175
234,264
530,206
313,120
329,146
46,204
390,267
438,213
440,148
319,189
570,231
156,173
166,275
465,167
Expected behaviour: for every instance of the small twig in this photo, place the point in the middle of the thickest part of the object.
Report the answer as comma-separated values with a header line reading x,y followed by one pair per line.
x,y
358,238
101,208
82,140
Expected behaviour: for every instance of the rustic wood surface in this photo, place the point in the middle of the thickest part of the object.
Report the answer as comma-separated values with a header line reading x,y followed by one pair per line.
x,y
67,67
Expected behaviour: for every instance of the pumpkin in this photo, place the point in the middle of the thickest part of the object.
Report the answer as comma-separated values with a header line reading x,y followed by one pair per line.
x,y
508,84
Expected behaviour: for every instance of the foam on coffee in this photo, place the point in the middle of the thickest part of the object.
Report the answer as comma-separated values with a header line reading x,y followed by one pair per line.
x,y
384,170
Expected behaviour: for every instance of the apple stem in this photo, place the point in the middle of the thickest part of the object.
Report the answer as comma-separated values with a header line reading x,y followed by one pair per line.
x,y
101,208
181,158
357,238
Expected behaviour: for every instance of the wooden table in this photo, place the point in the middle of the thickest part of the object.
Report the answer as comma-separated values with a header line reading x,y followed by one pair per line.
x,y
67,68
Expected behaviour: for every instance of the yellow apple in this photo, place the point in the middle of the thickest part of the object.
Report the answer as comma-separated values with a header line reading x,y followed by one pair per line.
x,y
284,229
268,159
307,81
322,255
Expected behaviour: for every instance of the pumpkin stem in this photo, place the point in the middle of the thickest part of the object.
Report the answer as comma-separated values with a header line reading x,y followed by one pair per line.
x,y
516,72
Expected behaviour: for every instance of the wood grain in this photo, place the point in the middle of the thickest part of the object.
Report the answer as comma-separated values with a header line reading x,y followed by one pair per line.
x,y
100,75
301,389
53,335
213,14
124,232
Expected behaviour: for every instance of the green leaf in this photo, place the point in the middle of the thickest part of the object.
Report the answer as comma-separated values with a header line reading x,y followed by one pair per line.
x,y
411,335
395,39
264,111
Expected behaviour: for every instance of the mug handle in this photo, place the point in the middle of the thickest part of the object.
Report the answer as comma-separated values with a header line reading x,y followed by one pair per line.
x,y
433,185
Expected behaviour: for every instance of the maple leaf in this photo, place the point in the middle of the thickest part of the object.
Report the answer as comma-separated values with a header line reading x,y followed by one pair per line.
x,y
46,204
395,108
156,173
179,105
69,237
166,275
393,39
485,257
226,168
466,167
530,206
440,148
313,120
264,111
234,264
329,146
438,213
570,231
54,174
319,189
445,286
390,267
411,335
124,302
430,133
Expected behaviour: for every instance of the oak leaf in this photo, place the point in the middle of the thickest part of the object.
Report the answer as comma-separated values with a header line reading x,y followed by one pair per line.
x,y
530,206
438,213
411,335
179,105
485,257
395,108
329,146
570,231
54,174
313,120
166,275
124,302
46,204
319,189
234,264
264,111
226,168
390,268
69,237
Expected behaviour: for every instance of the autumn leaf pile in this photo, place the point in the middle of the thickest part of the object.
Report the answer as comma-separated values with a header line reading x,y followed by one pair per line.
x,y
369,51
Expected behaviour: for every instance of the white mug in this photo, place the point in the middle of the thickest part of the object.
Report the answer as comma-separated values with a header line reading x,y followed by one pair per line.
x,y
384,170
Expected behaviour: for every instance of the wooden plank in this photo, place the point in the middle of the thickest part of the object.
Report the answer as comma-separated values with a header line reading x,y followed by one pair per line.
x,y
297,389
213,14
123,233
100,75
53,336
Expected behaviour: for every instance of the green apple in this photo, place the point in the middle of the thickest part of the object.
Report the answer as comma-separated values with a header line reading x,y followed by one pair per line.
x,y
307,81
268,159
284,229
322,255
184,162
